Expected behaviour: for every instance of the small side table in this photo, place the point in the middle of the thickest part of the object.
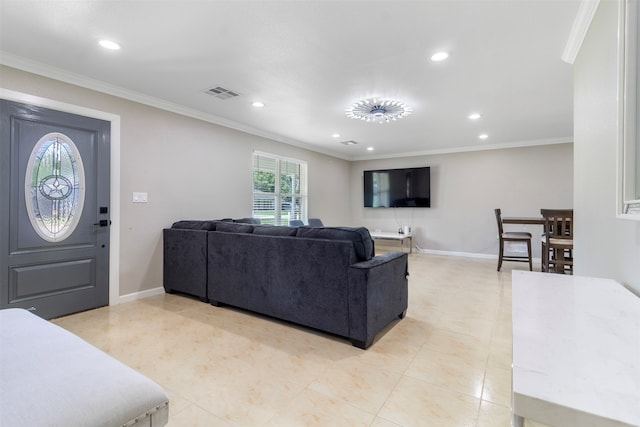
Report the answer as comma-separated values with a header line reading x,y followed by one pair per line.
x,y
382,235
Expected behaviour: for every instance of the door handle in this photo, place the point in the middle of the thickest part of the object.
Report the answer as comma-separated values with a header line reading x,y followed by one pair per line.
x,y
103,223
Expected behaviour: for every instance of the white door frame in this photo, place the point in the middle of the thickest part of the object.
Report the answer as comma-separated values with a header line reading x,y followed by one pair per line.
x,y
114,230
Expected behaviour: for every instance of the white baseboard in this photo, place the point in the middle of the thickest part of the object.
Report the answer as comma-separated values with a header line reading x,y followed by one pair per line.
x,y
458,254
139,295
160,290
464,254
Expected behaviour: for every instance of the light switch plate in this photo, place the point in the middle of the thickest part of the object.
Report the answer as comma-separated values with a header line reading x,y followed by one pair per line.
x,y
140,197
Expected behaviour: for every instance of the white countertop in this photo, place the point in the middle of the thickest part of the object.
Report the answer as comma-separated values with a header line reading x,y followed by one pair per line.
x,y
576,350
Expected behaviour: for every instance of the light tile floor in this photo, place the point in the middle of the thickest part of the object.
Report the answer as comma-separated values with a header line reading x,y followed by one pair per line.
x,y
446,364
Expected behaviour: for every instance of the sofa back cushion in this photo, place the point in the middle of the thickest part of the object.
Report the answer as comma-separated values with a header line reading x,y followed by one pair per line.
x,y
195,225
234,227
305,281
271,230
248,220
359,236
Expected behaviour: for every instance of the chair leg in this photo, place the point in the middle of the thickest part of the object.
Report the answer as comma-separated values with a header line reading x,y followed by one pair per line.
x,y
500,255
545,258
530,257
560,264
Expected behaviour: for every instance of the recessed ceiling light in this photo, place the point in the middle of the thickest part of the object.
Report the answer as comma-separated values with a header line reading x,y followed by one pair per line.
x,y
335,135
258,104
108,44
483,136
370,148
440,56
474,116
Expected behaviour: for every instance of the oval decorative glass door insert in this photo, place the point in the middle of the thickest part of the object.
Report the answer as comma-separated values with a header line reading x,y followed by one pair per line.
x,y
54,187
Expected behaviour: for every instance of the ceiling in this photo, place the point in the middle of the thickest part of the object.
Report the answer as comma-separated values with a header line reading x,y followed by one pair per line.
x,y
308,61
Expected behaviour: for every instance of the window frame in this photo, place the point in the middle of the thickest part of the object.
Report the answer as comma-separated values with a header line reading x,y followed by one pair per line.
x,y
277,195
628,180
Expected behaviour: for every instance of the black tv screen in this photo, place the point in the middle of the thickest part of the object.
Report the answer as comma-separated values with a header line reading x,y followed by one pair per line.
x,y
397,188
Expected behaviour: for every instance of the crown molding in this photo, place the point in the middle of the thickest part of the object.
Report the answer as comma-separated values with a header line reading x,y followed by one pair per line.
x,y
45,70
579,30
454,150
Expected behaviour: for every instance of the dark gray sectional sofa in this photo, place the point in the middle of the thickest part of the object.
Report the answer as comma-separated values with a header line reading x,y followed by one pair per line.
x,y
327,278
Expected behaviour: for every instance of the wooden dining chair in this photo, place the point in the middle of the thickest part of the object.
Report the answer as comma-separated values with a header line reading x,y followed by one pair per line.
x,y
512,236
557,240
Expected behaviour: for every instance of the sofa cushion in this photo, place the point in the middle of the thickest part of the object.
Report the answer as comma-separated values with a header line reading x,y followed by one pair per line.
x,y
247,220
234,227
359,236
195,225
271,230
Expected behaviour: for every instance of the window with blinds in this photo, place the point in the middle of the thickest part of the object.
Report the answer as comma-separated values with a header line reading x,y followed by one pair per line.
x,y
279,189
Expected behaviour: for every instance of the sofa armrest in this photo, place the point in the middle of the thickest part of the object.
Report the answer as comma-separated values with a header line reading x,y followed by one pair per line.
x,y
378,295
185,261
381,259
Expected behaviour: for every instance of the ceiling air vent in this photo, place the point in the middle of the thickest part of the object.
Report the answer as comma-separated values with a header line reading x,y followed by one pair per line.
x,y
348,142
222,93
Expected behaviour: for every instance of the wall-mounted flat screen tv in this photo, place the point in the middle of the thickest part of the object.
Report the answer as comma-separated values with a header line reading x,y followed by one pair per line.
x,y
397,188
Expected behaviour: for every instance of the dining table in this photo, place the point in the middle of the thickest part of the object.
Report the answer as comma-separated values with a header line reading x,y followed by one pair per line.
x,y
533,220
524,220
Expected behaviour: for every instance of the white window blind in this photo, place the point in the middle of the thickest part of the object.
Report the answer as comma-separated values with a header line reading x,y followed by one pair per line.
x,y
279,189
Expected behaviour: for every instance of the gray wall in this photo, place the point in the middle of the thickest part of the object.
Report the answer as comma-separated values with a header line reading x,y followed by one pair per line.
x,y
465,189
604,246
185,165
189,168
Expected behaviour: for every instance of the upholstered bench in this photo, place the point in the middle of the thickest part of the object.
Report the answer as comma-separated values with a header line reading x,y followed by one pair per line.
x,y
50,377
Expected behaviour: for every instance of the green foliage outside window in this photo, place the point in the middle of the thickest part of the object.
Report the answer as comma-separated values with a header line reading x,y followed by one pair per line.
x,y
264,181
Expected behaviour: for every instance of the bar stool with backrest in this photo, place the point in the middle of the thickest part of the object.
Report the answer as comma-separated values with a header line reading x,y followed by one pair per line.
x,y
557,240
512,236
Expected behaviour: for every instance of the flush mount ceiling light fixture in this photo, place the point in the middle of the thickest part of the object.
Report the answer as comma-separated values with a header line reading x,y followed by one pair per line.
x,y
378,110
